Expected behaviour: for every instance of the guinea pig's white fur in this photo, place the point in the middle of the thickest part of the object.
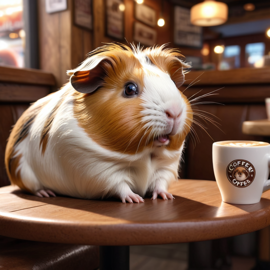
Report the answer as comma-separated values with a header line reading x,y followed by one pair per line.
x,y
53,148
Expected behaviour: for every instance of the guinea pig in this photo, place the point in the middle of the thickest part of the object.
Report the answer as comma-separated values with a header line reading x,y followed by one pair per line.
x,y
117,128
240,173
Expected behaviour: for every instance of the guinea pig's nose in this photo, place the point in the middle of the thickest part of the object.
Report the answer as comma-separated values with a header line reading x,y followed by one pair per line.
x,y
173,113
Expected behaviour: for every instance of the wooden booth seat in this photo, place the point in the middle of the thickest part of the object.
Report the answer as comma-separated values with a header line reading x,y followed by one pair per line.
x,y
19,88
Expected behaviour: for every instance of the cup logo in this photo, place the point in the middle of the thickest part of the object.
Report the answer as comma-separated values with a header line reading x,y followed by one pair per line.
x,y
240,173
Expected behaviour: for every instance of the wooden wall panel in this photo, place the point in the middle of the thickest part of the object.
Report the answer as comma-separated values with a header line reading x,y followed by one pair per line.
x,y
65,41
55,41
81,45
87,42
99,24
49,41
77,46
62,44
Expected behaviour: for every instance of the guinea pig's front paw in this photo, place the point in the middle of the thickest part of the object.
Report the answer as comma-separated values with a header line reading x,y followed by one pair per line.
x,y
163,194
131,197
45,193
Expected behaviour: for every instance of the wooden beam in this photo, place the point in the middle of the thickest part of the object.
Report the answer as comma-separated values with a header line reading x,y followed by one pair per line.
x,y
16,92
225,77
27,76
230,93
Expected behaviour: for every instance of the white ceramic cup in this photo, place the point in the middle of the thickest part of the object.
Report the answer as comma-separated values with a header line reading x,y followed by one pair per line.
x,y
241,170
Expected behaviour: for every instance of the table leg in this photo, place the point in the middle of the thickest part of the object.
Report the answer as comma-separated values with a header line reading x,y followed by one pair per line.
x,y
114,258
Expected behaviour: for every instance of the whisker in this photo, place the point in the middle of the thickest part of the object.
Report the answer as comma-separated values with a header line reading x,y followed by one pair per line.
x,y
207,94
197,110
193,134
153,118
203,128
206,102
195,122
210,120
194,95
205,117
200,97
193,130
192,83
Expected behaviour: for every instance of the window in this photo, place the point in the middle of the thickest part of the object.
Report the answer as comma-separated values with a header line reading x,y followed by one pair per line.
x,y
254,52
11,33
230,58
232,53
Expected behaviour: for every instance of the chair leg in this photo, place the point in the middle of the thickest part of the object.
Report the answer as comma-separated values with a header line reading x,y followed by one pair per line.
x,y
114,257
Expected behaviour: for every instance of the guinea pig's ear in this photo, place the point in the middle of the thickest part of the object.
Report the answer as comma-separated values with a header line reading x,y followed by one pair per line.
x,y
88,81
177,71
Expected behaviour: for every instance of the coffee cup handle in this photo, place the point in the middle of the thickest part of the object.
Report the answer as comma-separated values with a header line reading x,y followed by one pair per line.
x,y
266,185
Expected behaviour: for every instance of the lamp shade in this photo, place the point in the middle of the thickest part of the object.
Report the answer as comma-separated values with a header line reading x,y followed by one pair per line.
x,y
209,13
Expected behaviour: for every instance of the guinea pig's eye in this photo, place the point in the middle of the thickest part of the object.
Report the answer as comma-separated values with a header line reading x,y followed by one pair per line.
x,y
131,89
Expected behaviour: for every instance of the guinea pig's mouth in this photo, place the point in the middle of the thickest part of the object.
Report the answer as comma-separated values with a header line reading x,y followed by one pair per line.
x,y
162,140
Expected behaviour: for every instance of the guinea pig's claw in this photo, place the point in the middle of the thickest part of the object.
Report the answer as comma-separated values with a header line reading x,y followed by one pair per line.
x,y
50,193
163,194
45,193
132,198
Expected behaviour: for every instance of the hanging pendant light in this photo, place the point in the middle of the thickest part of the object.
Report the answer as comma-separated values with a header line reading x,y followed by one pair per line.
x,y
268,32
209,13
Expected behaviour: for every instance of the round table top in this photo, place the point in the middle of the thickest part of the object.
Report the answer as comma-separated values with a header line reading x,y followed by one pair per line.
x,y
196,214
257,127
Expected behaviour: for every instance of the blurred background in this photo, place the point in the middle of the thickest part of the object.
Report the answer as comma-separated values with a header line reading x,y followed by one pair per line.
x,y
73,28
228,44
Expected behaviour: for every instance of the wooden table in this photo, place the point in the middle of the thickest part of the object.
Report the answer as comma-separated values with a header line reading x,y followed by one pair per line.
x,y
196,214
256,127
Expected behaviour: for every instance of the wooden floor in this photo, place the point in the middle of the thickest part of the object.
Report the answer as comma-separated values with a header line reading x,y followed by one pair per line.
x,y
173,257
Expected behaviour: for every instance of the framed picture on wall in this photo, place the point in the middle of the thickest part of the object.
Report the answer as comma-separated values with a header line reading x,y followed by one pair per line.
x,y
114,19
185,33
144,34
145,14
55,5
83,13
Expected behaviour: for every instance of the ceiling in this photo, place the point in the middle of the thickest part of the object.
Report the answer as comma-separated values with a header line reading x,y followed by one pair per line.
x,y
240,29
